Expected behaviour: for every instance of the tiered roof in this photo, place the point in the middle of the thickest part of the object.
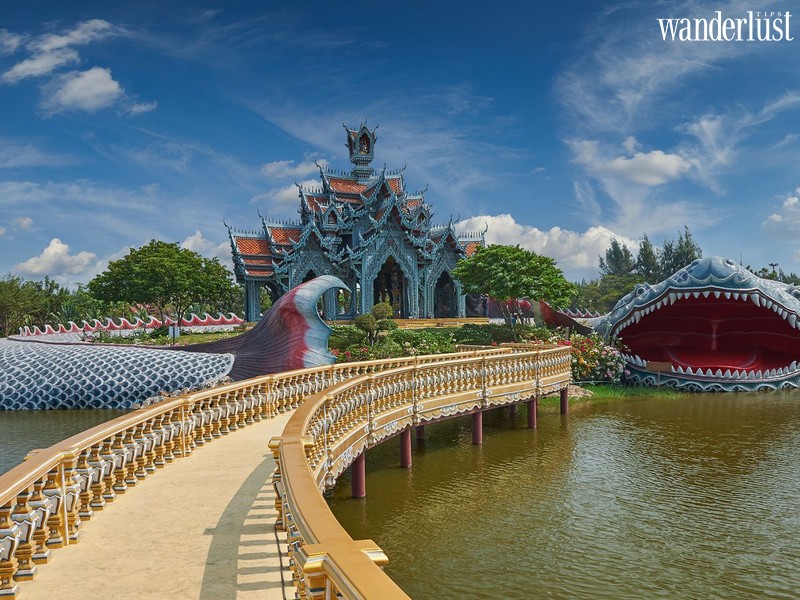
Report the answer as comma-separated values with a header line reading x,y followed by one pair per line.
x,y
342,215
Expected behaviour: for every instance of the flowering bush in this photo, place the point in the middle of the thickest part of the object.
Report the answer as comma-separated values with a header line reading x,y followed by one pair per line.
x,y
594,360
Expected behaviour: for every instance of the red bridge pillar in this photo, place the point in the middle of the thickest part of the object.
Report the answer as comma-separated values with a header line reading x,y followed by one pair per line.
x,y
477,428
564,401
420,434
512,411
533,409
358,476
405,448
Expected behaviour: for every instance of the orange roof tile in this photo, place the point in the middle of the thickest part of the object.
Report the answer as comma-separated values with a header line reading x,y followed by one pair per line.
x,y
252,245
315,203
471,247
346,186
253,261
285,235
259,272
394,183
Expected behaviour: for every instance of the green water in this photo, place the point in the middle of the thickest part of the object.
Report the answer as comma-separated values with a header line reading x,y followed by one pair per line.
x,y
696,497
22,431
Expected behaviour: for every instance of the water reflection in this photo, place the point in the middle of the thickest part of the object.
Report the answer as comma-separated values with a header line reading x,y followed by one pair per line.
x,y
22,431
694,497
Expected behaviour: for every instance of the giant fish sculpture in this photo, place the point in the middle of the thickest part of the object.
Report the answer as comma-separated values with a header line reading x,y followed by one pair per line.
x,y
46,375
712,326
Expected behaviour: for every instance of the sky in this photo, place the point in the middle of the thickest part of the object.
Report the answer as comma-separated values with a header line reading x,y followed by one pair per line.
x,y
557,126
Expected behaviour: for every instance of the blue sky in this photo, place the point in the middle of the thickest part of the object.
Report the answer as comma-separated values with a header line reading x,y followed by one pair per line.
x,y
557,125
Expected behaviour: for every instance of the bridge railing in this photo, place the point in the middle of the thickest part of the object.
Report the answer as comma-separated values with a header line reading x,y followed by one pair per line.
x,y
44,500
334,427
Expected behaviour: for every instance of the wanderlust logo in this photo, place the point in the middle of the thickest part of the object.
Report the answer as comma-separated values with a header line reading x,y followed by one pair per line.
x,y
757,26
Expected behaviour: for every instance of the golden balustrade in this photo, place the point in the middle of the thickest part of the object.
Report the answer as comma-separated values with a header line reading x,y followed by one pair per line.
x,y
336,426
45,500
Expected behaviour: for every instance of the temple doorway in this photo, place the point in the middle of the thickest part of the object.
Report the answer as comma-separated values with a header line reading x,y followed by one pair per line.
x,y
444,297
389,286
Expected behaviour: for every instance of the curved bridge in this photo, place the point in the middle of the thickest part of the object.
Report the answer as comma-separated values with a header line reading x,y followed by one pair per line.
x,y
346,408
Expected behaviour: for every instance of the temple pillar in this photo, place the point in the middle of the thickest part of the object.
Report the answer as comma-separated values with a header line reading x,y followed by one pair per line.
x,y
564,401
533,409
358,476
405,448
252,303
477,428
461,300
329,305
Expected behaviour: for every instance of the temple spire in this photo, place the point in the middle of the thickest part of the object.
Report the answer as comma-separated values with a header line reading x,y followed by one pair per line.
x,y
361,146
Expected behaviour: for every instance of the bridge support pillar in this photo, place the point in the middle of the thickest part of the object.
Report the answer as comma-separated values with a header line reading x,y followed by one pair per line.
x,y
533,409
405,448
477,428
512,411
564,401
358,476
420,431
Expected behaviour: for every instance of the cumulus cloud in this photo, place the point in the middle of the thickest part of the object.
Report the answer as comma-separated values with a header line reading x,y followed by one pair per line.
x,y
281,169
87,91
645,168
205,247
57,262
40,64
284,196
576,253
784,223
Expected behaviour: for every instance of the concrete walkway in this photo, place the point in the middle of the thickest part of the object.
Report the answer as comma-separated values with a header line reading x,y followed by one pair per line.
x,y
202,527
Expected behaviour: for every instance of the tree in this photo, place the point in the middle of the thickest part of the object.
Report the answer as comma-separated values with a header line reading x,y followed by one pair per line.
x,y
618,260
379,319
164,275
511,272
676,255
19,300
647,266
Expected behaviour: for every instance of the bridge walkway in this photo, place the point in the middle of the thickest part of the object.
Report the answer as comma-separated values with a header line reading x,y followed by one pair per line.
x,y
145,546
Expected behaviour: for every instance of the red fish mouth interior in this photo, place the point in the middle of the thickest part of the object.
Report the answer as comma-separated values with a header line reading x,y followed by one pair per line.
x,y
715,333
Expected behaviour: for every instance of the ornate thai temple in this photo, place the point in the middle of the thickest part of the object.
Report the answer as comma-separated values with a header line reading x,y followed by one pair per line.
x,y
366,228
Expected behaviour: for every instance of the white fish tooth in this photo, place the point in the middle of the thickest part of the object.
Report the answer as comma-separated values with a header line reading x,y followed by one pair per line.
x,y
784,313
672,297
728,296
735,295
680,369
689,371
706,294
672,368
709,373
696,294
637,317
756,299
759,374
727,374
768,303
717,294
718,373
735,375
792,318
793,366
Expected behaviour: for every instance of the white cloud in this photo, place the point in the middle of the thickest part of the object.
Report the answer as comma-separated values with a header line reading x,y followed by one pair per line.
x,y
83,33
286,196
9,42
141,107
645,168
205,247
281,169
56,261
2,231
51,51
14,154
23,223
784,223
576,253
88,91
40,64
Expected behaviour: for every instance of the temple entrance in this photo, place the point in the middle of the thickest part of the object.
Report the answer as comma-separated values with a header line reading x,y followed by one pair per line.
x,y
389,286
444,297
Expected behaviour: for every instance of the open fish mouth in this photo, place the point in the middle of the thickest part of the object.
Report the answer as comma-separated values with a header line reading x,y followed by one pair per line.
x,y
712,326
